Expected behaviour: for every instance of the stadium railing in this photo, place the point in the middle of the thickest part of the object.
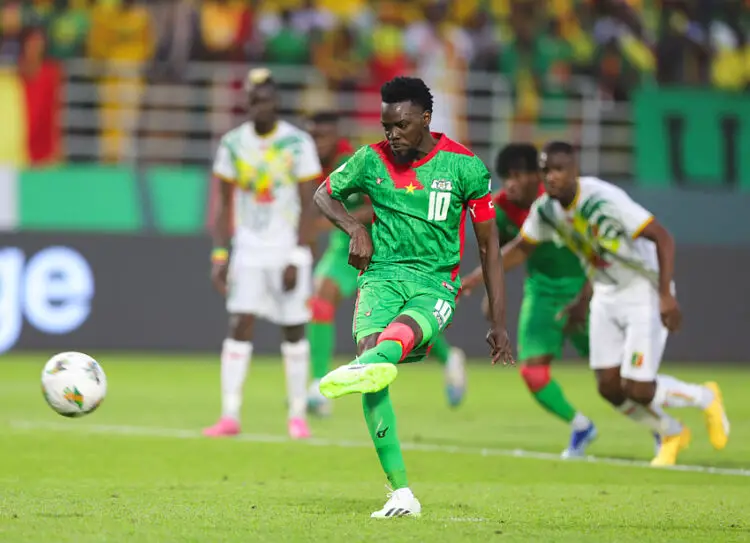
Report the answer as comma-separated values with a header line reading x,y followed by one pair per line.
x,y
128,113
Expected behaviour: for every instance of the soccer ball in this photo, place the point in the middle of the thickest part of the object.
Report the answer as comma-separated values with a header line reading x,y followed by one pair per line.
x,y
73,384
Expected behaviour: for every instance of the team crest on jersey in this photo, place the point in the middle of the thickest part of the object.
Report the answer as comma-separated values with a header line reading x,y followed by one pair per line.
x,y
442,185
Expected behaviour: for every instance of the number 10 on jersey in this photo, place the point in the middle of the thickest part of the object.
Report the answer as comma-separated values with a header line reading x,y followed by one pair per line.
x,y
439,205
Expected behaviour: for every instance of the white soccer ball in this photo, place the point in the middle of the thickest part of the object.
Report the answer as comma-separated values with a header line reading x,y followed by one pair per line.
x,y
73,384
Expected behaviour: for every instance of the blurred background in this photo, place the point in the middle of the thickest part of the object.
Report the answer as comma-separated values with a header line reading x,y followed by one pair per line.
x,y
111,111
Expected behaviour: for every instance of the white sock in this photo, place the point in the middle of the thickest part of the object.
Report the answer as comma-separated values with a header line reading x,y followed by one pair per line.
x,y
235,359
580,422
652,416
671,392
297,369
403,493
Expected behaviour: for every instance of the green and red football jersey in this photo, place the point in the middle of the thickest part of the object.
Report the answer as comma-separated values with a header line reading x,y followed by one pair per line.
x,y
420,208
552,268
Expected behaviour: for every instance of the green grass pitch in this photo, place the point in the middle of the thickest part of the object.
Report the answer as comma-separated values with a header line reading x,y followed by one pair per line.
x,y
137,470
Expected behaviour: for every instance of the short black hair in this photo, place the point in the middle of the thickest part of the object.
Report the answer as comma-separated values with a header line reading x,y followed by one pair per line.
x,y
324,117
407,89
516,156
554,147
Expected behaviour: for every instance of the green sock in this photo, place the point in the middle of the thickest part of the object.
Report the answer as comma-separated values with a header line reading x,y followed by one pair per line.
x,y
441,349
385,351
322,337
381,422
551,397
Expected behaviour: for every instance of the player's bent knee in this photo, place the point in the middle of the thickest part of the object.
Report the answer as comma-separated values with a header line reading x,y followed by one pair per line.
x,y
639,392
322,310
536,376
293,334
402,333
367,343
241,327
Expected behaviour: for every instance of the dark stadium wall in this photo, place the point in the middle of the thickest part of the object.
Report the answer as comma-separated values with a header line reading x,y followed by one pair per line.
x,y
138,292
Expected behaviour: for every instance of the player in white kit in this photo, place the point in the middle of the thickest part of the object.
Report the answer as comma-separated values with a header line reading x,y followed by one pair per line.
x,y
266,169
629,256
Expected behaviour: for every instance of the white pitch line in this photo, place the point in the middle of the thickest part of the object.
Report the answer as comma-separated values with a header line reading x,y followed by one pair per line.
x,y
149,431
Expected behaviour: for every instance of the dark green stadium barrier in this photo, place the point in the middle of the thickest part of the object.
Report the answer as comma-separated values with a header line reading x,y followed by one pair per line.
x,y
692,138
80,198
178,198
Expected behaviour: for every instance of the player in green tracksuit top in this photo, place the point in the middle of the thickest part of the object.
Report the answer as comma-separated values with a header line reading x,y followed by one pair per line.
x,y
422,186
554,279
336,280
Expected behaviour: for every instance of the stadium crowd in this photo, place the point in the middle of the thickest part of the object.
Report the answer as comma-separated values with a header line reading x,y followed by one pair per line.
x,y
355,45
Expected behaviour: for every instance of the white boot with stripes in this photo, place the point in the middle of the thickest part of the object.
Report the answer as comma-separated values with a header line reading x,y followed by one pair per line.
x,y
401,503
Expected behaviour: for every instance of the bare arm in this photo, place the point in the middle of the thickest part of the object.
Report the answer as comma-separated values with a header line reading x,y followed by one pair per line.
x,y
492,270
335,211
665,249
222,227
363,214
222,235
514,253
306,231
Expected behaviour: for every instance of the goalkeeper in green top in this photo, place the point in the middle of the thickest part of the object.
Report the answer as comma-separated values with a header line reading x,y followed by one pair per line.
x,y
554,278
421,186
336,280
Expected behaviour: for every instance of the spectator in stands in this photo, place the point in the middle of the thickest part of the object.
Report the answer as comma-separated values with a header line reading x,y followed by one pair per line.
x,y
289,45
624,57
121,34
386,59
313,19
174,32
341,59
225,29
68,29
728,34
529,58
485,41
683,48
441,53
38,13
42,86
11,22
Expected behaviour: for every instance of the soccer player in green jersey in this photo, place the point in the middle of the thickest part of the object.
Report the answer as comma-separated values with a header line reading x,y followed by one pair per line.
x,y
554,278
421,186
336,280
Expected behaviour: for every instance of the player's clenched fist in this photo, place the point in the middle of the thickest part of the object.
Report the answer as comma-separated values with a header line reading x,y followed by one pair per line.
x,y
360,249
500,346
219,276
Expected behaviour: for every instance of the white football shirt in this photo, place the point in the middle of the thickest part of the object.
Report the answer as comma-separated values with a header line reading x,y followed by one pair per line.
x,y
266,171
601,226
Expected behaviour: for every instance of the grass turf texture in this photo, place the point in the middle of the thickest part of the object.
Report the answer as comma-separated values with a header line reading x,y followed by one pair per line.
x,y
138,470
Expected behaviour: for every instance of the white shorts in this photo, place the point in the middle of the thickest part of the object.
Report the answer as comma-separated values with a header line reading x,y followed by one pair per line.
x,y
625,331
254,290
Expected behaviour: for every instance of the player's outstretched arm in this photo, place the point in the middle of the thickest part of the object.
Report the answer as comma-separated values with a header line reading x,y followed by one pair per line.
x,y
494,280
514,253
665,250
360,246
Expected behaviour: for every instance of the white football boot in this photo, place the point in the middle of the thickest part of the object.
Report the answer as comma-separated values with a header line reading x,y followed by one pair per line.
x,y
401,503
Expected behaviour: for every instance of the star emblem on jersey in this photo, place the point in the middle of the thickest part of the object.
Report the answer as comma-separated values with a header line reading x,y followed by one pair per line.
x,y
410,188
